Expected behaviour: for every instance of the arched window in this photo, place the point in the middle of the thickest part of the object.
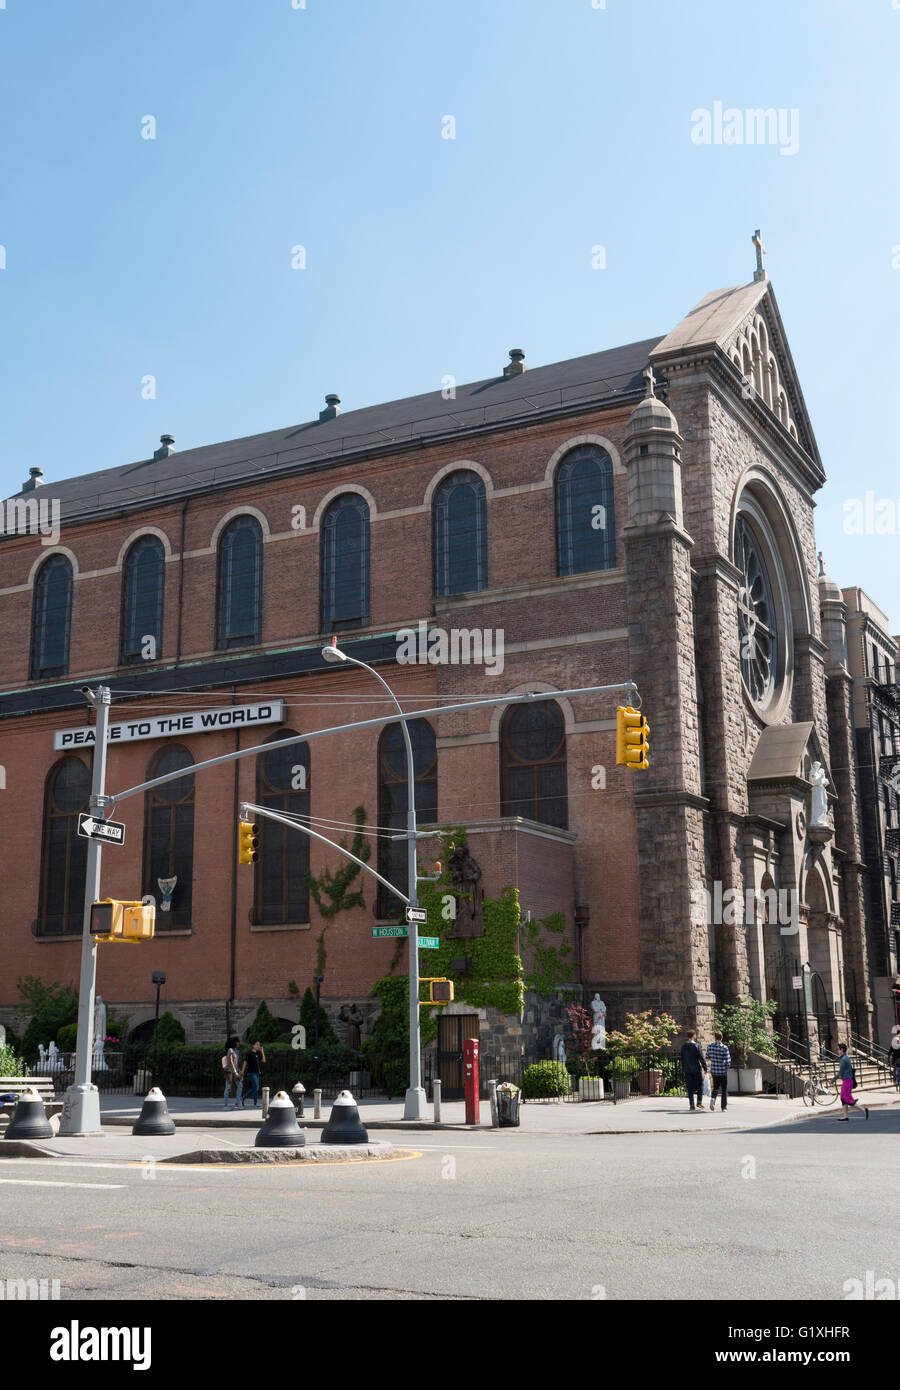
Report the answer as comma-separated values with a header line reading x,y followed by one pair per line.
x,y
64,856
392,862
460,534
585,511
143,591
52,619
169,836
282,784
345,563
240,584
533,763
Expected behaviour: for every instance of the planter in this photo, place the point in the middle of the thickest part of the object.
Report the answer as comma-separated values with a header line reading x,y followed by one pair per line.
x,y
744,1081
650,1082
621,1087
751,1079
590,1088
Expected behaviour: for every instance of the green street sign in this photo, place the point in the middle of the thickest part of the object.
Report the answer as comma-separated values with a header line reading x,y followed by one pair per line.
x,y
429,943
390,931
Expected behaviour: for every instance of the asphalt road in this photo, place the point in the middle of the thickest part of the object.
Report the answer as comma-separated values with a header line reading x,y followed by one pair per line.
x,y
788,1212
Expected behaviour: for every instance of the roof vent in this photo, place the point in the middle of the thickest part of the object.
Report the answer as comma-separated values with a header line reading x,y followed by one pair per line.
x,y
167,443
516,364
35,479
332,407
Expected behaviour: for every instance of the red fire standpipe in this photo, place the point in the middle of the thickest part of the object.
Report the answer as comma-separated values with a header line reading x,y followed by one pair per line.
x,y
470,1074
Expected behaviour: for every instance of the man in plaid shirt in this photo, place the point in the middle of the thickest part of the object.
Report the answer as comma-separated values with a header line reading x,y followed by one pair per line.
x,y
719,1059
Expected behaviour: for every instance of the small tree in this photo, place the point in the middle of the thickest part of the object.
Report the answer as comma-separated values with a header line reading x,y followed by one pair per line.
x,y
264,1028
10,1063
308,1019
51,1007
643,1032
581,1024
743,1026
171,1032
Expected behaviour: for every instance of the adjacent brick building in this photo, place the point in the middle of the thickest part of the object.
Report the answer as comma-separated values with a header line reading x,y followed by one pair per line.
x,y
606,533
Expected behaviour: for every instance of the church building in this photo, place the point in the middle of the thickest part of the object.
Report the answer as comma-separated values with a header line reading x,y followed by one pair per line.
x,y
643,513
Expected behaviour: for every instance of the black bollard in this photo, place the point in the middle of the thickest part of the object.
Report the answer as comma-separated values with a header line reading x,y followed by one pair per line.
x,y
344,1125
29,1119
280,1130
154,1118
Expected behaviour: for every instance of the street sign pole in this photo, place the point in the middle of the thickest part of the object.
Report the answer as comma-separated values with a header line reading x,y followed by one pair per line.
x,y
81,1108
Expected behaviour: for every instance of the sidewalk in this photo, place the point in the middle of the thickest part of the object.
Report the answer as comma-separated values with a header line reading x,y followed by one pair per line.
x,y
647,1115
205,1125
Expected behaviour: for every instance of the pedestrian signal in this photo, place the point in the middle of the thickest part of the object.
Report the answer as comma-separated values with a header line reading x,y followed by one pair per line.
x,y
632,739
112,920
248,842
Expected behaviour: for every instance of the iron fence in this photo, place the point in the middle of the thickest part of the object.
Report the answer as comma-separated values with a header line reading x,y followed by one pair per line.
x,y
624,1078
133,1072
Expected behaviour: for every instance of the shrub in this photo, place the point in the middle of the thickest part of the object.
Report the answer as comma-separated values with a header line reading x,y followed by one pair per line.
x,y
51,1007
644,1032
67,1037
544,1079
264,1028
171,1033
10,1063
308,1019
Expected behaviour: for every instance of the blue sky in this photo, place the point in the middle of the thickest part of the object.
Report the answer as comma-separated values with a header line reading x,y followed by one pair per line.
x,y
321,127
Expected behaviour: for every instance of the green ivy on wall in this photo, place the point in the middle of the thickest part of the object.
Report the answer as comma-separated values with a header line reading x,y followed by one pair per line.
x,y
494,978
330,890
552,962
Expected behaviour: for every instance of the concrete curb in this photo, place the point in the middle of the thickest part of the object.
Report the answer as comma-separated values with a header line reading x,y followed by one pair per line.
x,y
315,1153
194,1122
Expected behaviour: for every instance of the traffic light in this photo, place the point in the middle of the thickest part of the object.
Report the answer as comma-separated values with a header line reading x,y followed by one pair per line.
x,y
248,842
112,920
632,738
440,991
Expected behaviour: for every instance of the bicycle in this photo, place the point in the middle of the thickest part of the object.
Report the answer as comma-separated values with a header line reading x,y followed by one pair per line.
x,y
820,1089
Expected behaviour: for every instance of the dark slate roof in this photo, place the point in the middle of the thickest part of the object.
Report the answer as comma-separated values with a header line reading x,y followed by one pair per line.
x,y
603,377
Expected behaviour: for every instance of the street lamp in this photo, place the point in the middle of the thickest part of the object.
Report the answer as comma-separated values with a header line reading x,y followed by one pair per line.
x,y
318,979
159,979
414,1106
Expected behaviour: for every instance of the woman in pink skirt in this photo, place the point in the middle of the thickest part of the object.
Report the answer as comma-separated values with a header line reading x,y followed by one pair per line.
x,y
845,1072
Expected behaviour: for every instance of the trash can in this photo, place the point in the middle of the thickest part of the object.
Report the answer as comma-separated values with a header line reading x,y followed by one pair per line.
x,y
508,1104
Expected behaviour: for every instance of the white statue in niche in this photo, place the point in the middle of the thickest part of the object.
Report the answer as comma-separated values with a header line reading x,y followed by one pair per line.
x,y
819,780
598,1031
559,1048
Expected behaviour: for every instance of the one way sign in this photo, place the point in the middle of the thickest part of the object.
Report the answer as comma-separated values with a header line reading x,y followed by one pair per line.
x,y
111,832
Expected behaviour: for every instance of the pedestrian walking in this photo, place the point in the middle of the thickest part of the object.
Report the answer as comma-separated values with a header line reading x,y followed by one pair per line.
x,y
253,1062
719,1059
845,1072
230,1066
895,1053
693,1064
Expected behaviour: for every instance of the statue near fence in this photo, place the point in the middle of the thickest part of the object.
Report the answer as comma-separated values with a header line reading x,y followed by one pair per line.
x,y
598,1030
98,1061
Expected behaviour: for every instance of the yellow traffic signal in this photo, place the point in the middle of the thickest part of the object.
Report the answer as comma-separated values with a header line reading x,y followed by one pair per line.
x,y
248,842
632,739
113,920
